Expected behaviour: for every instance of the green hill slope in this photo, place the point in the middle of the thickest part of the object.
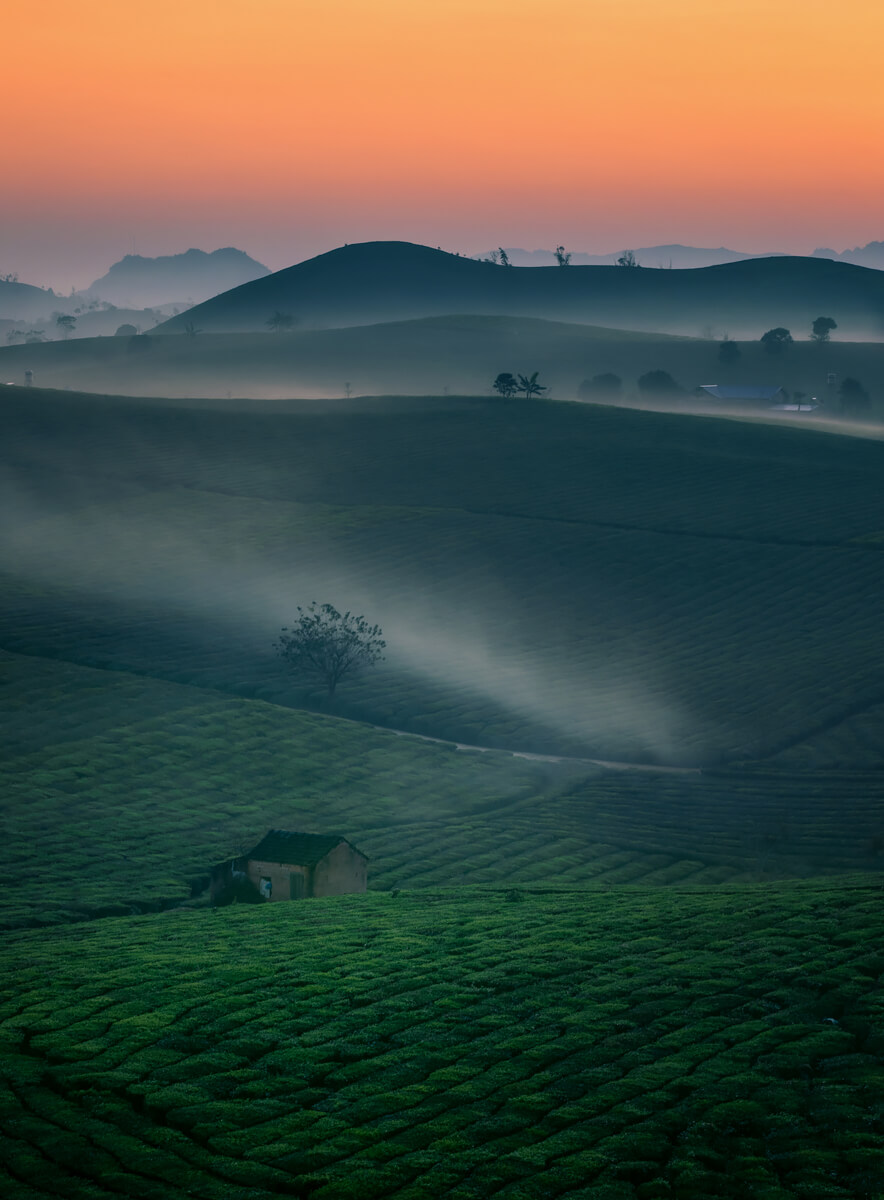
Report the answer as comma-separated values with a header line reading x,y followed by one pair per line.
x,y
126,790
614,1046
392,281
461,354
554,578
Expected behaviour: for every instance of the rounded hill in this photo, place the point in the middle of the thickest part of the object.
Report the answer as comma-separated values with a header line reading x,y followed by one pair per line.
x,y
389,281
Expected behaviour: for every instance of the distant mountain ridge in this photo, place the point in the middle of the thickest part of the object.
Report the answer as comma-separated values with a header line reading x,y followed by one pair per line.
x,y
195,275
870,255
677,256
373,282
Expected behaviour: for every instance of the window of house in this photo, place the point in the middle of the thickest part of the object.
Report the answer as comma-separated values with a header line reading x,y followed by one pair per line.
x,y
266,887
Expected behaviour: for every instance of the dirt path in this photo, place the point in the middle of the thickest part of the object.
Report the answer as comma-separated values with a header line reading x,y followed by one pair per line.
x,y
609,764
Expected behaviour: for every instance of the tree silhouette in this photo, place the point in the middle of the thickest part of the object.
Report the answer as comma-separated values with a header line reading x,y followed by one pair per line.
x,y
563,257
66,323
822,327
327,646
506,384
658,382
530,386
627,259
190,330
775,339
280,321
853,398
729,352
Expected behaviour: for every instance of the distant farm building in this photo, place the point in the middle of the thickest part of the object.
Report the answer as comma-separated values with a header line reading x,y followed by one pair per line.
x,y
291,866
762,395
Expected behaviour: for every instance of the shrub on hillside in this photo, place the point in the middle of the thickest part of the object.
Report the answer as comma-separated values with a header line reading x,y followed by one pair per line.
x,y
600,387
659,383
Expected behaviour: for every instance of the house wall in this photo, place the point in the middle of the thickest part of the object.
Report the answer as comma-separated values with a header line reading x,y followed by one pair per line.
x,y
343,870
279,875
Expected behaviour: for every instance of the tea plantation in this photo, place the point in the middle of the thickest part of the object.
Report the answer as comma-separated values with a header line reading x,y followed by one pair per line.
x,y
652,976
604,1045
550,577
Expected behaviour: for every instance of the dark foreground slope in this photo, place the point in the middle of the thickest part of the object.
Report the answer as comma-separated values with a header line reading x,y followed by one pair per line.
x,y
621,1045
549,577
462,355
392,281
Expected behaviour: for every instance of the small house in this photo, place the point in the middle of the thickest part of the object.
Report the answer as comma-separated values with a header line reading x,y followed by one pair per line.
x,y
291,866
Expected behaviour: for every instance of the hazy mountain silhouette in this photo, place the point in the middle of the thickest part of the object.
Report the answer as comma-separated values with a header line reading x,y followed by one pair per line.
x,y
388,281
676,256
137,282
870,255
24,302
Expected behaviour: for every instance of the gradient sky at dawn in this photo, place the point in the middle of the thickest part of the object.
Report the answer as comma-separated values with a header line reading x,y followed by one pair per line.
x,y
286,127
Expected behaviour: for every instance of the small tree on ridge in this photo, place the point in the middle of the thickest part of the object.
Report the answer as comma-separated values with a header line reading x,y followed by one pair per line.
x,y
506,384
530,386
822,327
775,340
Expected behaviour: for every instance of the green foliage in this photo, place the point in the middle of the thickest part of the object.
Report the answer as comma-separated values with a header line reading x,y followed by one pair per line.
x,y
776,340
822,328
354,1047
506,384
529,385
658,383
729,353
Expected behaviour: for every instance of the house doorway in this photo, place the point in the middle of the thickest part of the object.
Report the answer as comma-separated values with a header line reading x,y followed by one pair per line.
x,y
296,886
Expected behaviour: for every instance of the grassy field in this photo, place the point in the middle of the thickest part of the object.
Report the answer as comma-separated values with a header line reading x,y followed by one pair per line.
x,y
462,354
565,979
555,578
633,1044
126,789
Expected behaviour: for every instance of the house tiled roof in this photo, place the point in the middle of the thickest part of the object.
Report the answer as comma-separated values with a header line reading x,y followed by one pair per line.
x,y
299,849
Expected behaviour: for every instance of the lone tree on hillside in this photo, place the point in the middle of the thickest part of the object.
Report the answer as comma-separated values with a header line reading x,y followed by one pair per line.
x,y
506,384
190,330
280,322
326,646
628,259
66,323
822,327
530,386
563,256
775,339
729,352
853,399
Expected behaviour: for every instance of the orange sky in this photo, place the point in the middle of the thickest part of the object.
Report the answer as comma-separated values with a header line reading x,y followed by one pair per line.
x,y
289,126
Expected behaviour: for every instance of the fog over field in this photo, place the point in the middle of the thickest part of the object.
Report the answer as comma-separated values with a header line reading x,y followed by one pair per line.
x,y
615,780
